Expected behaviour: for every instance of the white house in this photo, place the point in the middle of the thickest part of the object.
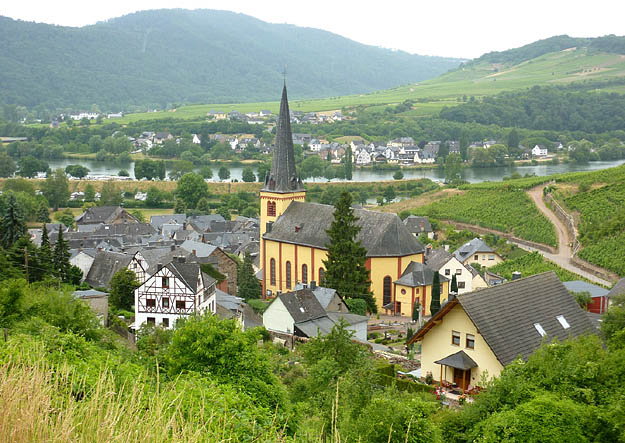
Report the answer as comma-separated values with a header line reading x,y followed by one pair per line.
x,y
362,157
196,140
539,151
448,265
300,313
176,290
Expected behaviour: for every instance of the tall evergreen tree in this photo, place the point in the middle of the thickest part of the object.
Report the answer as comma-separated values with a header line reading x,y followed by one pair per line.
x,y
45,250
249,286
61,257
454,284
43,214
345,263
349,166
435,304
12,222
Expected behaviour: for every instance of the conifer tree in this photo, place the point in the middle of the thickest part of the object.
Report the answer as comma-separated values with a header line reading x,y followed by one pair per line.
x,y
61,257
249,286
348,163
45,250
435,304
12,222
454,284
43,214
345,263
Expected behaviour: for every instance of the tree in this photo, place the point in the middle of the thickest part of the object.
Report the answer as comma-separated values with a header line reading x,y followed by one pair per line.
x,y
435,304
89,193
398,175
249,286
454,285
179,206
110,194
138,214
179,169
122,289
147,168
77,171
206,172
262,170
582,298
312,167
453,167
60,258
29,166
45,251
613,322
224,173
345,263
191,188
56,189
223,211
389,194
464,145
416,308
7,165
513,139
349,165
203,206
12,222
248,174
66,217
43,213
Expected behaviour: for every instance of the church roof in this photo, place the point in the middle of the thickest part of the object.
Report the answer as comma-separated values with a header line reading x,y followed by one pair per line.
x,y
283,177
382,234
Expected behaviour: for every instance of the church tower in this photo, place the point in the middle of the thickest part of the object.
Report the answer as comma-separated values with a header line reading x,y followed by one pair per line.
x,y
282,186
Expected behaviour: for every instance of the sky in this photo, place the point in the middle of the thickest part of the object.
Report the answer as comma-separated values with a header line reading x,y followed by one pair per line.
x,y
450,28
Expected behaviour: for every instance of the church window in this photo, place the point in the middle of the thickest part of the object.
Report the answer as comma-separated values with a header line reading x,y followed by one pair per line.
x,y
271,209
272,271
288,275
386,290
305,274
322,275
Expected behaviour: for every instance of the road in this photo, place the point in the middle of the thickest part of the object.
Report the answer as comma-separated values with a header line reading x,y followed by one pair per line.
x,y
564,255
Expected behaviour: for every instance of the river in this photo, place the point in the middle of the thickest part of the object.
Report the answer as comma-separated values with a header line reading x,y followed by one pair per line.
x,y
472,175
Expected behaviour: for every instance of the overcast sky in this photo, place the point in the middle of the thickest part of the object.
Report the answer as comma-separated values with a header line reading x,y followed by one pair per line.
x,y
452,28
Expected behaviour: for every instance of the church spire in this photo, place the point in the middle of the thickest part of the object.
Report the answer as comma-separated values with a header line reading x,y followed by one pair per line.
x,y
283,178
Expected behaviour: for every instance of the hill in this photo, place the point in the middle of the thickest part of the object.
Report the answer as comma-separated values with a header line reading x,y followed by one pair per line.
x,y
155,58
595,63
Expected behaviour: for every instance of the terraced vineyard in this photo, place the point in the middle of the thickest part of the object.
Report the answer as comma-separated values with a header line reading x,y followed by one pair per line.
x,y
503,208
530,264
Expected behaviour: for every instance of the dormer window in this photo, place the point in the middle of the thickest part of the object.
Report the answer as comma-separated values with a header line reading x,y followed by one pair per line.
x,y
563,322
540,329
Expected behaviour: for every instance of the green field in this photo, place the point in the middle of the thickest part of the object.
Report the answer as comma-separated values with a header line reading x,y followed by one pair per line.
x,y
446,90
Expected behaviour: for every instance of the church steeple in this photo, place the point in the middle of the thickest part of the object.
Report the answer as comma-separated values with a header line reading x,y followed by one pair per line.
x,y
283,177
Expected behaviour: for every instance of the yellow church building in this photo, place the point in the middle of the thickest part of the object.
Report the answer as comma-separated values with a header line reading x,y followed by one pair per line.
x,y
293,232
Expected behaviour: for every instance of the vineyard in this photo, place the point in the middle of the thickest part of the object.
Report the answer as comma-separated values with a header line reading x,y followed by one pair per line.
x,y
602,225
530,264
500,208
604,176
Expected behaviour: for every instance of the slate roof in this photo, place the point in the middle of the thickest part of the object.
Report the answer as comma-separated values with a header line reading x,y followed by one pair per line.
x,y
382,234
100,214
159,220
437,259
505,315
618,288
105,265
459,360
582,286
283,176
89,293
324,295
418,274
302,305
125,229
468,249
418,225
201,249
204,223
189,273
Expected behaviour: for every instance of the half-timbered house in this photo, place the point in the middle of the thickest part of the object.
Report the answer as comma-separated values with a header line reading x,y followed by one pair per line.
x,y
175,290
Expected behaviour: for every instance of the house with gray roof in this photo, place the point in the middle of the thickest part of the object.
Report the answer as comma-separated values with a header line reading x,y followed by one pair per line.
x,y
481,332
467,277
419,225
476,251
301,314
105,215
105,265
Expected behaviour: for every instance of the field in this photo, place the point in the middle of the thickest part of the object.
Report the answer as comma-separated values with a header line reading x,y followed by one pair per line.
x,y
510,211
447,90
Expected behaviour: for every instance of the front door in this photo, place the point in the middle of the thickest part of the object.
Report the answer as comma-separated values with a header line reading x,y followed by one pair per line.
x,y
458,378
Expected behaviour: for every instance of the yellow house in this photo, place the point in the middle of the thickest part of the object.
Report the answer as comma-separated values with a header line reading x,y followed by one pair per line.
x,y
479,333
415,285
293,232
476,251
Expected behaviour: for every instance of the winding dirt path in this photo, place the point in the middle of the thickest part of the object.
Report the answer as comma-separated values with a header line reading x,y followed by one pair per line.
x,y
565,254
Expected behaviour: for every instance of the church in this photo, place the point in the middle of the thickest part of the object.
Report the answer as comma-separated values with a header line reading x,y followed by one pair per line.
x,y
293,234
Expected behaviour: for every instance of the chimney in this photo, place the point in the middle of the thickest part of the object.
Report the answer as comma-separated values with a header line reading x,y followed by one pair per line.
x,y
313,285
428,249
516,275
172,247
194,253
446,248
159,267
182,259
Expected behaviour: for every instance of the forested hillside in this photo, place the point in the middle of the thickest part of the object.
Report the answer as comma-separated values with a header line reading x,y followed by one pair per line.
x,y
161,57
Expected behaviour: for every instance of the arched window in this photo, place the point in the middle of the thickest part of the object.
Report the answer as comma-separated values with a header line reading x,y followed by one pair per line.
x,y
322,275
288,275
305,274
272,271
386,290
271,209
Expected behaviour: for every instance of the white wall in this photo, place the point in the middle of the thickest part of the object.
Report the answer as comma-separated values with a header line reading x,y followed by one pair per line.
x,y
277,318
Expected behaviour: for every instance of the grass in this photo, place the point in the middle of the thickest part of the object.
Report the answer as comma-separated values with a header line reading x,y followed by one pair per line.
x,y
446,90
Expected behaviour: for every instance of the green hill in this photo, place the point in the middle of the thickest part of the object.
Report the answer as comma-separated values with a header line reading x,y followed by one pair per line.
x,y
155,58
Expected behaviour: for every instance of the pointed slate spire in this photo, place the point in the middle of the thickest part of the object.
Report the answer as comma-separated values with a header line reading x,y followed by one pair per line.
x,y
283,177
